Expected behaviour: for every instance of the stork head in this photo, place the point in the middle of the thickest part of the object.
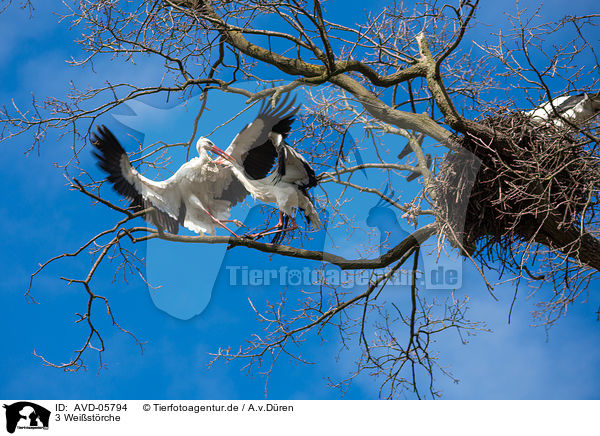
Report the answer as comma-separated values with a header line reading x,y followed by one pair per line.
x,y
204,145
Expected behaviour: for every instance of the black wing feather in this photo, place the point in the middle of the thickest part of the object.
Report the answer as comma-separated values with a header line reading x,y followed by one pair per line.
x,y
312,178
281,162
235,192
284,126
281,111
110,155
259,161
304,190
569,103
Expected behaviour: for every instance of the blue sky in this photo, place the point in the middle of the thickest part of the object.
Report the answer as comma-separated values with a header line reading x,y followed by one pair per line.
x,y
43,218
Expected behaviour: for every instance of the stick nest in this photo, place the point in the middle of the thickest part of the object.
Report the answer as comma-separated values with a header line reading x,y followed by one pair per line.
x,y
499,190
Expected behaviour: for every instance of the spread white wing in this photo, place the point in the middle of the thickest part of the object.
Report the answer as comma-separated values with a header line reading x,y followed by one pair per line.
x,y
198,186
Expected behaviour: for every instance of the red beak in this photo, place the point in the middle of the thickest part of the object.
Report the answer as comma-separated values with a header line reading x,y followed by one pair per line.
x,y
221,153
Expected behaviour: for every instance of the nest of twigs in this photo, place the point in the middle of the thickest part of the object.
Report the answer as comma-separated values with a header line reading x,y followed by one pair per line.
x,y
500,189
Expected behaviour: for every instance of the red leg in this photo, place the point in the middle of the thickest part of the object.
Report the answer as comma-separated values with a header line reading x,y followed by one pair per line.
x,y
268,231
294,226
219,222
236,222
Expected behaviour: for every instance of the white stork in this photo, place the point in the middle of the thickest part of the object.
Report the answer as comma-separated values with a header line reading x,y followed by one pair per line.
x,y
573,108
198,196
257,150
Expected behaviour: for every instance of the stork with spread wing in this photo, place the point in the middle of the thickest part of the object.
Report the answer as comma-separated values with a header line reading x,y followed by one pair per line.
x,y
198,196
271,170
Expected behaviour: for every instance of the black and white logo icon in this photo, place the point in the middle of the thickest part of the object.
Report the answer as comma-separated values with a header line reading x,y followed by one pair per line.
x,y
26,415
